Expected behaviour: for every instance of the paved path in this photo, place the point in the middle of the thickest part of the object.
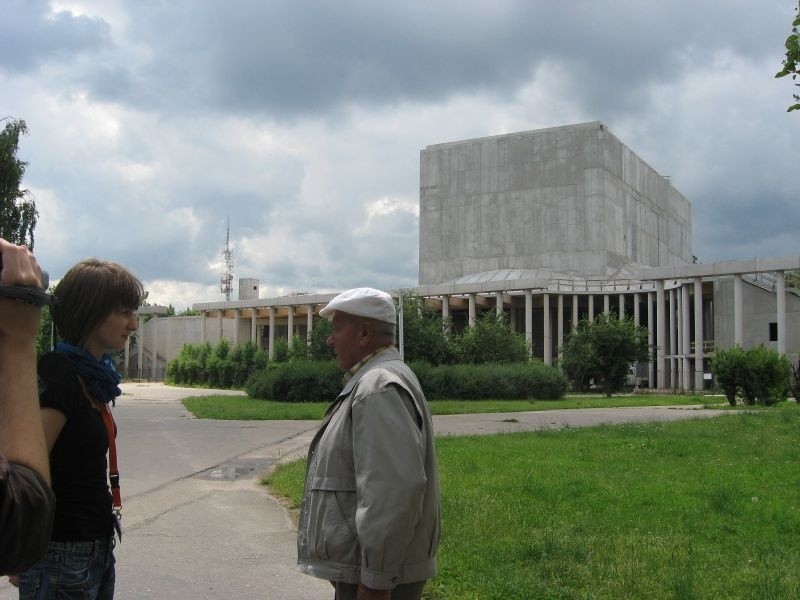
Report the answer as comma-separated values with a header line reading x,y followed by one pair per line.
x,y
198,524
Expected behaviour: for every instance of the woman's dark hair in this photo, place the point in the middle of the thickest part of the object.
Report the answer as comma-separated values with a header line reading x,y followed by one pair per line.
x,y
88,293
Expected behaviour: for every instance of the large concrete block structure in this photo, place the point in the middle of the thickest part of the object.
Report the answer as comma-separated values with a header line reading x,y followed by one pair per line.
x,y
571,200
549,227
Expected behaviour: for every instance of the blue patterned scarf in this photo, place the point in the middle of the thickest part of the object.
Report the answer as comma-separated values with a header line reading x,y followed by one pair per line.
x,y
100,375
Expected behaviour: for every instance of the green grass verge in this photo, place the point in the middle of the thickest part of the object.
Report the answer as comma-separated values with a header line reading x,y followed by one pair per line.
x,y
694,509
245,408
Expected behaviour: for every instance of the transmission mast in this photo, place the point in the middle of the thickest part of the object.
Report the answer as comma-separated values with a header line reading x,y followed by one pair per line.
x,y
226,278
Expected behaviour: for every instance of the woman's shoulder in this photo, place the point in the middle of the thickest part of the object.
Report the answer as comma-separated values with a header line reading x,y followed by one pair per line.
x,y
56,368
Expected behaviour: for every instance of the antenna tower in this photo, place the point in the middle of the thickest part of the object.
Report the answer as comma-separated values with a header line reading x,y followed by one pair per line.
x,y
226,278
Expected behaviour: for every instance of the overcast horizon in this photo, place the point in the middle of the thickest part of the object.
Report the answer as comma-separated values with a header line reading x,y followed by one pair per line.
x,y
151,124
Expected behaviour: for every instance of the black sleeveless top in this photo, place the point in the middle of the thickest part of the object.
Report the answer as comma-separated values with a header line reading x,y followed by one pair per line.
x,y
78,458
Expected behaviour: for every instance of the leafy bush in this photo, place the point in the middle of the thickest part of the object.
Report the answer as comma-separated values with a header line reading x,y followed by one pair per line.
x,y
425,335
219,367
795,383
728,367
759,375
297,381
766,377
473,382
604,348
490,340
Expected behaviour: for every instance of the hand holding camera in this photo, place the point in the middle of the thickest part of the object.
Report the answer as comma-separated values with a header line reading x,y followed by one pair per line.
x,y
21,278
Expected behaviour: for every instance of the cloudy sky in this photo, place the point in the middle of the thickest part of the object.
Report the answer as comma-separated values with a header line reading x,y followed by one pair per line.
x,y
152,123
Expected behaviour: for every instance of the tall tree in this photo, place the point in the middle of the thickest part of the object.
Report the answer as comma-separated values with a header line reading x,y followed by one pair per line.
x,y
791,64
604,348
17,208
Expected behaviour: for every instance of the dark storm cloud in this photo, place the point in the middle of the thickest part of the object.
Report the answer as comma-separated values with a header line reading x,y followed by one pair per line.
x,y
31,35
289,58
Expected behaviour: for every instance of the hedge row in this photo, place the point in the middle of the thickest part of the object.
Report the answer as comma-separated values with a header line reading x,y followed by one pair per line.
x,y
315,381
218,366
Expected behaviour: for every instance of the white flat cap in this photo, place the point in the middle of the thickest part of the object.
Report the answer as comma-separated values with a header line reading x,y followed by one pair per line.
x,y
363,302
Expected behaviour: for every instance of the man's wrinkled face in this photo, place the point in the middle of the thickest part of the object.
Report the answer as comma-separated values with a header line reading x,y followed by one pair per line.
x,y
345,339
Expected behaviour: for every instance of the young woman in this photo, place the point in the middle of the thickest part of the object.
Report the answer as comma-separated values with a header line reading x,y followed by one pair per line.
x,y
94,315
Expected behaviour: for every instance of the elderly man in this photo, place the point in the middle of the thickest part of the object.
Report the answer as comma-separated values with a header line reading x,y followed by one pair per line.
x,y
369,521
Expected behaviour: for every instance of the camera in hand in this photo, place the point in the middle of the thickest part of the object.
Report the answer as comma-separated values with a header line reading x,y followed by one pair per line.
x,y
29,294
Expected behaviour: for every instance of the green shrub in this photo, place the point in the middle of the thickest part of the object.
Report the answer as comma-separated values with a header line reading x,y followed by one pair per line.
x,y
297,381
795,383
758,375
766,376
728,367
474,382
490,340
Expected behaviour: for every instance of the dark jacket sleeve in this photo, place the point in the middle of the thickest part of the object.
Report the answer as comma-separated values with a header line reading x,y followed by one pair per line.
x,y
26,516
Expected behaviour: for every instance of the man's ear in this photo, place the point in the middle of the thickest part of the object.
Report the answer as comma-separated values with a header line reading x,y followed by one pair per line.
x,y
364,333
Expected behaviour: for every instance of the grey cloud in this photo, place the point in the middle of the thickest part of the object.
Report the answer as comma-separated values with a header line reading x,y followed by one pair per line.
x,y
286,58
29,35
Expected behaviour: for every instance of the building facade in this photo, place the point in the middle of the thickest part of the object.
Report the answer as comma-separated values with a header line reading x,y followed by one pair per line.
x,y
551,227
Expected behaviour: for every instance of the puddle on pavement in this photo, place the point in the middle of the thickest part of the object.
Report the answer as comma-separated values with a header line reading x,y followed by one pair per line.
x,y
237,469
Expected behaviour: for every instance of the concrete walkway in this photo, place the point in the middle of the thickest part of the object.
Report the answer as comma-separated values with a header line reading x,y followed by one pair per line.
x,y
199,525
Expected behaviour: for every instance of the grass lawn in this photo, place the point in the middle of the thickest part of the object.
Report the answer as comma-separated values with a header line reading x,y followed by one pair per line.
x,y
245,408
708,508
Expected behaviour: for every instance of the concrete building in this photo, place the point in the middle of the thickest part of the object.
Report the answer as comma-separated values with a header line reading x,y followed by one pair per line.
x,y
551,227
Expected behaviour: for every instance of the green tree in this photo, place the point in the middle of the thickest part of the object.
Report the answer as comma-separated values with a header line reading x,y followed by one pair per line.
x,y
490,340
424,332
17,208
792,279
318,348
791,64
605,348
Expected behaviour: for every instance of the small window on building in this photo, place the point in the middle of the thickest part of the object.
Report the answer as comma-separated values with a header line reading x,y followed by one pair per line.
x,y
773,332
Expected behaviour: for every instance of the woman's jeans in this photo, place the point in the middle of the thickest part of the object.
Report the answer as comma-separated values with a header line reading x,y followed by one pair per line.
x,y
72,571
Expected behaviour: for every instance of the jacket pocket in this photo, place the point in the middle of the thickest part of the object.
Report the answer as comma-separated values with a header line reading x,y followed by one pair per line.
x,y
332,523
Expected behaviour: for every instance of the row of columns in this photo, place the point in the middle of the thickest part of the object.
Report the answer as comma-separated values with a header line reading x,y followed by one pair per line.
x,y
669,320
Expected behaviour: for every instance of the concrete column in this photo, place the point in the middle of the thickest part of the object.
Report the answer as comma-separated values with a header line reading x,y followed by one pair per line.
x,y
529,320
154,361
686,329
271,345
253,326
498,298
636,315
698,334
309,322
661,333
780,290
738,318
591,307
203,328
219,325
606,304
140,349
471,321
651,339
560,334
446,314
290,323
621,306
236,316
547,337
678,364
574,312
673,341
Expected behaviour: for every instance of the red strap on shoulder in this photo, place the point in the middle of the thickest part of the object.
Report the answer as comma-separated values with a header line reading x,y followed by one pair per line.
x,y
111,430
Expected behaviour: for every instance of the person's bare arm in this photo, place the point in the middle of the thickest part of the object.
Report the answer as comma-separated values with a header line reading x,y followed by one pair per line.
x,y
21,433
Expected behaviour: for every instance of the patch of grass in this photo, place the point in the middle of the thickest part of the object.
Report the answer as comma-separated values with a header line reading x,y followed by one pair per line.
x,y
708,508
250,409
246,408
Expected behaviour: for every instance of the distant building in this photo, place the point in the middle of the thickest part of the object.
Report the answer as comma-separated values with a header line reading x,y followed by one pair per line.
x,y
553,226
